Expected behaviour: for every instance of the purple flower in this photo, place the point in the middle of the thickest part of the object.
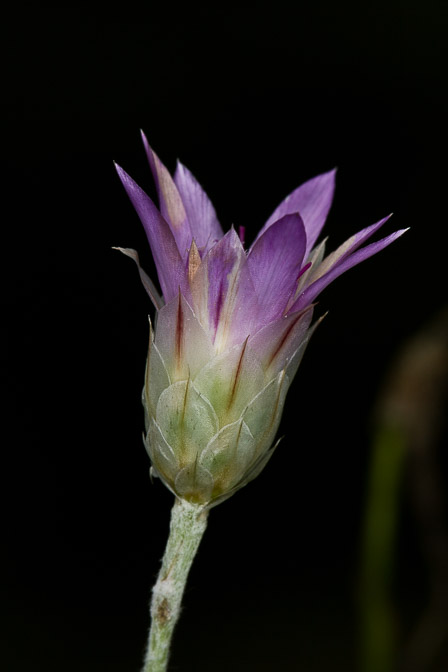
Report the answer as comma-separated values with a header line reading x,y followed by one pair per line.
x,y
232,325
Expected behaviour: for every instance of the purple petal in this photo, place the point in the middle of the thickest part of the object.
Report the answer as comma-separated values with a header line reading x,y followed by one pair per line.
x,y
171,205
312,200
343,264
321,265
170,268
201,214
274,263
224,298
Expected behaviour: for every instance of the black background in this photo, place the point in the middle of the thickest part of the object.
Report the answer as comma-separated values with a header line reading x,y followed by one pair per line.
x,y
254,100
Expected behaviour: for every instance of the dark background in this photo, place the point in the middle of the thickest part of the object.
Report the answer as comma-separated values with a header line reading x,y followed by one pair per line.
x,y
254,100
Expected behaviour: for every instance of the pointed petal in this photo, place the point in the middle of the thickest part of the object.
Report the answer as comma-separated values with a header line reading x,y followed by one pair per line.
x,y
144,277
170,268
274,263
182,342
314,260
193,261
342,265
201,214
222,265
171,205
277,341
312,200
343,251
223,295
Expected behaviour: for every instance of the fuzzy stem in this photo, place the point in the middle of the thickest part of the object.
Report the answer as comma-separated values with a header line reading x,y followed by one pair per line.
x,y
188,523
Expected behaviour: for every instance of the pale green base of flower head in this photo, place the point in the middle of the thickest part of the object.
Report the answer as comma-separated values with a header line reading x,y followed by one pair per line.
x,y
212,431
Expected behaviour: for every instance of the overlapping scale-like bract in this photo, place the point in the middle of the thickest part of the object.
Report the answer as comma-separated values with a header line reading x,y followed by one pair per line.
x,y
212,416
231,326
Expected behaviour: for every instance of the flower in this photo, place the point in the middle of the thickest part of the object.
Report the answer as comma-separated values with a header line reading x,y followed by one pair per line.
x,y
231,326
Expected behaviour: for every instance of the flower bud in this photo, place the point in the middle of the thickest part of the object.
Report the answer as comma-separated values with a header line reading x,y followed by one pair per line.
x,y
231,327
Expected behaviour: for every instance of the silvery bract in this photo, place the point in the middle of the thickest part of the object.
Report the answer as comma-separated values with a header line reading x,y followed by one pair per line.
x,y
231,328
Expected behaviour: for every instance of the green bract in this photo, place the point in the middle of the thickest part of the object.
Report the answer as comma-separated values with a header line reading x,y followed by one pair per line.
x,y
211,418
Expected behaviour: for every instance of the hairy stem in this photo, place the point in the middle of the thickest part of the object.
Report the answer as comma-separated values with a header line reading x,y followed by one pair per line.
x,y
188,523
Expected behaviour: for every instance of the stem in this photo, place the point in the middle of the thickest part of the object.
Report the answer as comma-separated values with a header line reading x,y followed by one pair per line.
x,y
377,618
188,523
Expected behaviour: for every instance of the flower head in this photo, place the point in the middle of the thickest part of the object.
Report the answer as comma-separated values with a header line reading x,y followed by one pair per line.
x,y
232,325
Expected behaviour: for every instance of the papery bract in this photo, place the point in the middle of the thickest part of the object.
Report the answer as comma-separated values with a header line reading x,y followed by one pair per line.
x,y
231,327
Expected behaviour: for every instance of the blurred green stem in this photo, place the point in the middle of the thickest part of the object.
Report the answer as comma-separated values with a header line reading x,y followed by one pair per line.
x,y
188,523
380,524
